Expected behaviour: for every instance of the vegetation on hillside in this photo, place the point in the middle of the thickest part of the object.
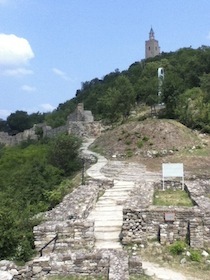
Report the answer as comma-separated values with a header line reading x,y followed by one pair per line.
x,y
31,176
186,92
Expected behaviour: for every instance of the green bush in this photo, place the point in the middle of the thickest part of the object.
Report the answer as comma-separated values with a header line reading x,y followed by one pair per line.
x,y
129,153
128,142
145,138
140,144
177,248
195,256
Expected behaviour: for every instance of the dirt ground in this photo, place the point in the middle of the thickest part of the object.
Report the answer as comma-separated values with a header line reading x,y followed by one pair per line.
x,y
156,141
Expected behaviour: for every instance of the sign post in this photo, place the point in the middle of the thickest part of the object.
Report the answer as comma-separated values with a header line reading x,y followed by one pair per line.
x,y
173,170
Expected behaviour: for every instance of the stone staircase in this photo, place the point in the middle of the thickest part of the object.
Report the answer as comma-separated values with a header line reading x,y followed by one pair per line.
x,y
108,215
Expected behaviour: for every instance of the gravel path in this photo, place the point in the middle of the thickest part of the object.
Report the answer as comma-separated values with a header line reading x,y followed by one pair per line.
x,y
157,272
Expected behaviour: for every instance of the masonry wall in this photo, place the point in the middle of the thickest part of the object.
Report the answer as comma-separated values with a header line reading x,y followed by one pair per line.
x,y
67,263
143,221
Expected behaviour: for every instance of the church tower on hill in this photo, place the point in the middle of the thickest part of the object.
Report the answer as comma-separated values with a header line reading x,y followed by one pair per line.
x,y
151,46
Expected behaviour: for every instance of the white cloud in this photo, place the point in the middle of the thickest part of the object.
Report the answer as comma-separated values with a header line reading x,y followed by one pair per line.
x,y
17,72
47,107
28,88
60,73
14,50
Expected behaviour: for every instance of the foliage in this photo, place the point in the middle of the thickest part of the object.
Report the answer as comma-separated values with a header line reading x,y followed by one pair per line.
x,y
64,152
20,121
177,248
192,108
195,256
30,182
112,97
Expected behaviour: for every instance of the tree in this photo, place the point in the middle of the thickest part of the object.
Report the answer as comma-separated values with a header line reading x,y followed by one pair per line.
x,y
172,88
205,85
191,108
108,105
126,97
19,121
63,153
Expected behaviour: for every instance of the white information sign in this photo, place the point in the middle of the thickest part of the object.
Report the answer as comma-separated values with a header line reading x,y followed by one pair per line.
x,y
173,170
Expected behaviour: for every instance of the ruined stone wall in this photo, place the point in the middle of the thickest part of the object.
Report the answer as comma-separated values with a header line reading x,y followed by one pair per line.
x,y
78,128
80,123
142,225
143,222
80,115
9,140
52,132
67,222
67,263
84,129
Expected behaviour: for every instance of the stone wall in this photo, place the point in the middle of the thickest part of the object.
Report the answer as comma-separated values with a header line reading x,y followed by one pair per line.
x,y
67,263
81,129
84,129
67,222
80,123
9,140
143,222
80,115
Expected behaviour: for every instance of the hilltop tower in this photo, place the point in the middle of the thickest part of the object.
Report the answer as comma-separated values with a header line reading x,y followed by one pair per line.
x,y
151,46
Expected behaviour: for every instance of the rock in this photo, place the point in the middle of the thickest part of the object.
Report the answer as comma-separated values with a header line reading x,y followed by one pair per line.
x,y
205,254
37,269
188,254
4,275
183,261
14,271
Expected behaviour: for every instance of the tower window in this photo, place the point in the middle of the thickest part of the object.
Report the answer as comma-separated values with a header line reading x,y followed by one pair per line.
x,y
149,48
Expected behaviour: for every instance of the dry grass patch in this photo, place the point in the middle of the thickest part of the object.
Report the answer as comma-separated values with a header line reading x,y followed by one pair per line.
x,y
172,198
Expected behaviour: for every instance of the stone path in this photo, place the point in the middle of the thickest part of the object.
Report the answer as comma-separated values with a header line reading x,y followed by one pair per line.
x,y
108,214
154,270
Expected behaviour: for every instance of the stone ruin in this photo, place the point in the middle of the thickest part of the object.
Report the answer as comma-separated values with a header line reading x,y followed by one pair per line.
x,y
80,122
144,222
65,238
65,243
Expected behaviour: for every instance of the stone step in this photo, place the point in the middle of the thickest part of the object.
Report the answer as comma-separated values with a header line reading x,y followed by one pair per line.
x,y
107,228
107,236
110,217
108,245
100,223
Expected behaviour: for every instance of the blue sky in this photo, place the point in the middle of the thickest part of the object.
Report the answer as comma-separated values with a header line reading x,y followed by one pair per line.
x,y
49,47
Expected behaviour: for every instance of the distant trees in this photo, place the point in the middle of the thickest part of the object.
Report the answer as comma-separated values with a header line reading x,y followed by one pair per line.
x,y
20,121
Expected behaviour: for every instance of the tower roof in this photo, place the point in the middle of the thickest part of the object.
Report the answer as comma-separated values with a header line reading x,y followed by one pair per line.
x,y
151,34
